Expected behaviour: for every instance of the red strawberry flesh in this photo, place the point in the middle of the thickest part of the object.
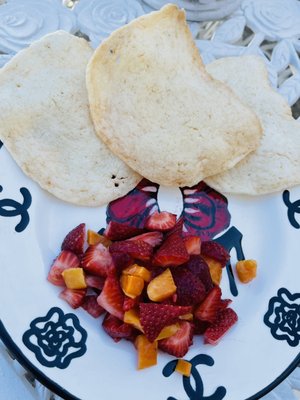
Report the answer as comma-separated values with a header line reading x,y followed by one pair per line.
x,y
171,253
94,281
198,267
74,297
74,241
97,260
161,221
192,244
152,238
65,260
137,249
118,231
190,290
224,321
112,298
91,305
208,309
154,317
116,328
178,344
216,251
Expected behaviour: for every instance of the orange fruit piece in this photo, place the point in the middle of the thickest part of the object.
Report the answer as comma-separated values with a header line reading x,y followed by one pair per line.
x,y
183,367
131,317
132,285
168,331
161,287
95,238
215,269
137,270
246,270
74,278
147,352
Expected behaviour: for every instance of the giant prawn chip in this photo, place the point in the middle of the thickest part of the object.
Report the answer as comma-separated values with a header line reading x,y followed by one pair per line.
x,y
275,165
46,125
155,106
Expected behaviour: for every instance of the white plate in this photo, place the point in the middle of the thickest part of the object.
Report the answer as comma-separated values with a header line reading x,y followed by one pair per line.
x,y
258,352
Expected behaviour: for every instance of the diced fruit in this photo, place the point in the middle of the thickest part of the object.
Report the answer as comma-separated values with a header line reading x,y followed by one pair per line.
x,y
74,278
95,238
200,326
168,331
137,249
161,287
137,270
215,269
152,238
154,317
225,320
147,352
178,344
187,317
161,221
74,297
116,328
74,241
216,251
129,303
199,267
190,290
97,260
121,261
246,270
183,367
65,260
208,309
132,317
111,298
94,281
91,305
192,244
117,231
172,252
132,285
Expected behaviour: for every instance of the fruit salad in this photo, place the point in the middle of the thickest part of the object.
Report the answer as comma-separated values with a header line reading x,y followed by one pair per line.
x,y
155,287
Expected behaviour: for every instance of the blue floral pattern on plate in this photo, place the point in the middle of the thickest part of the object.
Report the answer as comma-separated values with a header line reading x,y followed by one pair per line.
x,y
56,339
283,317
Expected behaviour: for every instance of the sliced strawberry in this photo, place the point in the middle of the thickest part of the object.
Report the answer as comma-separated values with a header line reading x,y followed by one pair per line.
x,y
192,244
198,267
137,249
225,320
178,344
152,238
117,231
121,261
112,298
190,290
178,228
154,317
74,297
130,303
65,260
171,253
208,309
116,328
74,241
200,326
94,281
97,260
91,305
161,221
216,251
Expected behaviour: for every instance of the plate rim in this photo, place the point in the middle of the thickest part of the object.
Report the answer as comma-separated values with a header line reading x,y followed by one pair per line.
x,y
60,391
